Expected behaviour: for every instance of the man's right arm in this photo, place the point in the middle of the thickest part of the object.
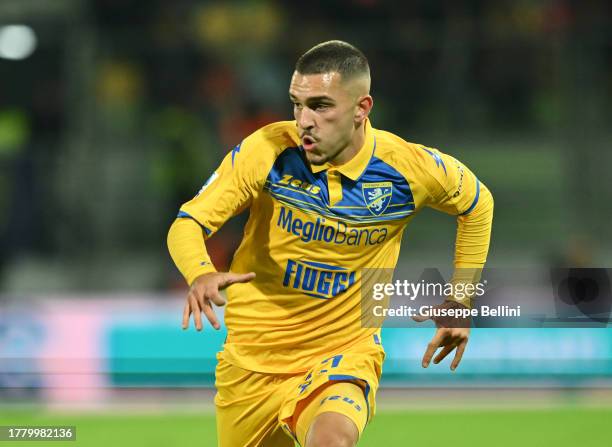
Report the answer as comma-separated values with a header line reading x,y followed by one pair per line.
x,y
229,190
188,250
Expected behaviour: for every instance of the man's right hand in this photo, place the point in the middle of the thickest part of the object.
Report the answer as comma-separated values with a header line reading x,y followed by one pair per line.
x,y
205,289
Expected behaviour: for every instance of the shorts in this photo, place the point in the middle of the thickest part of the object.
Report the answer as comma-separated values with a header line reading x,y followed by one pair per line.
x,y
259,409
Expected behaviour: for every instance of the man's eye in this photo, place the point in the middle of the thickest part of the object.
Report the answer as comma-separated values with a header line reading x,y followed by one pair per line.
x,y
320,106
296,105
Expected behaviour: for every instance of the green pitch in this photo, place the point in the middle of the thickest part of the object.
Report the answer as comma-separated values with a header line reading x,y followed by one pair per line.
x,y
553,427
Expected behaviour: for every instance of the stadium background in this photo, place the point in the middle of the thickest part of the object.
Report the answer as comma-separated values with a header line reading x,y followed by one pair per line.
x,y
113,113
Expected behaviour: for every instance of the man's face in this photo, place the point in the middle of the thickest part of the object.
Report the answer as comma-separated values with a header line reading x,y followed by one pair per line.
x,y
324,109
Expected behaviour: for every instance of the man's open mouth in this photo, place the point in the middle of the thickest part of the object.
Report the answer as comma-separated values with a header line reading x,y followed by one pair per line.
x,y
308,142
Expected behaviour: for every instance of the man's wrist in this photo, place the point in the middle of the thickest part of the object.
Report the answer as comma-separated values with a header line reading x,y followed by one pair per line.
x,y
202,269
465,302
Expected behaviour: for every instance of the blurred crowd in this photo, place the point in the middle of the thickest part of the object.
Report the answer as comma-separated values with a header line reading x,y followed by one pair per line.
x,y
126,107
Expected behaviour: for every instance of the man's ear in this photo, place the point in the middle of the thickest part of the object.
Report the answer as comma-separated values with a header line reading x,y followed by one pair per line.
x,y
364,105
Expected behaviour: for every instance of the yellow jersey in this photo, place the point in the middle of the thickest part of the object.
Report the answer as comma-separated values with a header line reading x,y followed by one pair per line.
x,y
310,232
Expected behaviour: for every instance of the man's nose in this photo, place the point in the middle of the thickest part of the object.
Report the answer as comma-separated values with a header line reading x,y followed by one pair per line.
x,y
305,118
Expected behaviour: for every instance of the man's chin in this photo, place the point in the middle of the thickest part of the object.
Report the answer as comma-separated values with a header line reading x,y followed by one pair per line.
x,y
316,159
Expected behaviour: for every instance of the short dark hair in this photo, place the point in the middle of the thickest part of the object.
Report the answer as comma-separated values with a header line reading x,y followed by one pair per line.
x,y
334,55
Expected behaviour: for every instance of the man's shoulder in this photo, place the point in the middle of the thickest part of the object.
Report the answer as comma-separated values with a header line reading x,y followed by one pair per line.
x,y
260,149
399,153
274,136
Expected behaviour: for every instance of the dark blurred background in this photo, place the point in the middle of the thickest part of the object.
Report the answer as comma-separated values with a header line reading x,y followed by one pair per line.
x,y
114,112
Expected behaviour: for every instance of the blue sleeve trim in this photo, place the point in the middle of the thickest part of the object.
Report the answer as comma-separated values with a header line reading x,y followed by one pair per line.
x,y
475,199
343,377
184,215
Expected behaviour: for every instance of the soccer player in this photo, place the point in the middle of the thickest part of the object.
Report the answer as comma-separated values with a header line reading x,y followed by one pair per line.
x,y
329,195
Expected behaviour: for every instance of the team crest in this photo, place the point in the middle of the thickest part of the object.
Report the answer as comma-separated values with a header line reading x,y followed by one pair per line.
x,y
377,196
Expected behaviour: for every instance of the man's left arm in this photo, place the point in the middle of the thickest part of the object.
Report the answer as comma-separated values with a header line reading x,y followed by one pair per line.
x,y
455,190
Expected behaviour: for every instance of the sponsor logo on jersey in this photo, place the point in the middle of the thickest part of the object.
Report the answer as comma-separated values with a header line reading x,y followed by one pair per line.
x,y
336,232
317,279
338,397
295,183
377,196
461,173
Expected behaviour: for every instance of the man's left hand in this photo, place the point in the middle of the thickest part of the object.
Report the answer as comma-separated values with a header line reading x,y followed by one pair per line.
x,y
448,339
451,334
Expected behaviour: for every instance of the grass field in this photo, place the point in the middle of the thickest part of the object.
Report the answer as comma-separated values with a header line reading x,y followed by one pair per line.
x,y
582,427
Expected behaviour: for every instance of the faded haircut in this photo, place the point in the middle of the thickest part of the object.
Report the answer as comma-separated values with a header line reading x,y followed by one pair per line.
x,y
334,56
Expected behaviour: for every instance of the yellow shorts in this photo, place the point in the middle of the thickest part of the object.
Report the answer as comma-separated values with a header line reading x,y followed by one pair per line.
x,y
257,409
